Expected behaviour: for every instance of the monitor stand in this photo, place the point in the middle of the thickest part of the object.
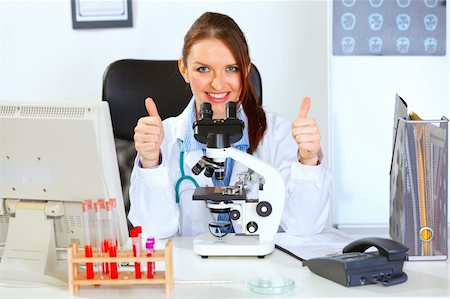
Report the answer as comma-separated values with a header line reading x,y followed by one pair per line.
x,y
29,257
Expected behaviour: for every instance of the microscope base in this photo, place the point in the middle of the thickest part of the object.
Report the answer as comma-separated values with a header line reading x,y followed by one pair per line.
x,y
231,245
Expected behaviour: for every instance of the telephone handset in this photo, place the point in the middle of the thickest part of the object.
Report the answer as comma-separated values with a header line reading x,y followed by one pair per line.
x,y
356,267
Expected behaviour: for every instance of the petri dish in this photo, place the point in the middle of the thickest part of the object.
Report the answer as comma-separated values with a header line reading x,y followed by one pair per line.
x,y
271,285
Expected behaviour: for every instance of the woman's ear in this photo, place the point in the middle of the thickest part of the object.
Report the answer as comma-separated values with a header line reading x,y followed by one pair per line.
x,y
183,70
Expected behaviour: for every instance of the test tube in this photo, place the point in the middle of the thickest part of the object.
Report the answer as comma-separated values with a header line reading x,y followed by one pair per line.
x,y
112,248
149,245
87,240
139,233
101,234
92,225
93,231
115,220
134,234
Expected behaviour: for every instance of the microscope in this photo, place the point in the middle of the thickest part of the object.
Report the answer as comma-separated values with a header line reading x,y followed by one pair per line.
x,y
254,204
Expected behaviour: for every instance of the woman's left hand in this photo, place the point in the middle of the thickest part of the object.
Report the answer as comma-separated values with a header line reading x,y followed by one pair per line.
x,y
307,135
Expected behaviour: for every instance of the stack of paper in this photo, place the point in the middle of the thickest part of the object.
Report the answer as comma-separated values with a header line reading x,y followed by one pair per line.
x,y
329,242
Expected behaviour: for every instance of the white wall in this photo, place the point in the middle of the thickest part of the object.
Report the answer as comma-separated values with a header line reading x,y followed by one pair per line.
x,y
362,113
43,59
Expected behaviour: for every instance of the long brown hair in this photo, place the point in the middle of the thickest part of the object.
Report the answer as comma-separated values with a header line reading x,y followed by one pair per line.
x,y
222,27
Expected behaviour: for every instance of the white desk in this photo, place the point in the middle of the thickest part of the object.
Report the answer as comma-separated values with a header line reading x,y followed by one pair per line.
x,y
425,280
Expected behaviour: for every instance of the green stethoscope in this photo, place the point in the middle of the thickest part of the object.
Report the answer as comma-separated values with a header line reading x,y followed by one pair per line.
x,y
182,178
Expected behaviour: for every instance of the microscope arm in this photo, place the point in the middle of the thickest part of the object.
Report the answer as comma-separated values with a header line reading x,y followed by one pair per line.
x,y
273,191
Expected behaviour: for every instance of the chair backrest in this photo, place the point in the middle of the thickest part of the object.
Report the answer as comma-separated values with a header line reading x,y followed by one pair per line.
x,y
127,83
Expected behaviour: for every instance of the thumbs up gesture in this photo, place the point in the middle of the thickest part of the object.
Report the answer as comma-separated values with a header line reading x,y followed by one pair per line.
x,y
148,135
307,135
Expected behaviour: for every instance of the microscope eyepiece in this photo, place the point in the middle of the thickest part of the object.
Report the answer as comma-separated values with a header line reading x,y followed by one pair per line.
x,y
230,109
206,111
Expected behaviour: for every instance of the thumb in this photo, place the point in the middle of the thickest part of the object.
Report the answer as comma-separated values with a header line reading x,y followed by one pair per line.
x,y
151,107
304,107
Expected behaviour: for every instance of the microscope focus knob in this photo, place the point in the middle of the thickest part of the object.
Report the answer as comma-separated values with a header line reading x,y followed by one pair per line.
x,y
252,227
235,215
264,209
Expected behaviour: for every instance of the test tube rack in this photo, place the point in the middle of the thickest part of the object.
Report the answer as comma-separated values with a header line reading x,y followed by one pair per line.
x,y
77,276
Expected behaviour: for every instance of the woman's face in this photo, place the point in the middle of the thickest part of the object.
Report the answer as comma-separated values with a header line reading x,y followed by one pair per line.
x,y
213,74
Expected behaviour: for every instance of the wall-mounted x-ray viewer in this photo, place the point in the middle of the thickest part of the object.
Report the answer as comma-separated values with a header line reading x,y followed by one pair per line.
x,y
101,14
389,27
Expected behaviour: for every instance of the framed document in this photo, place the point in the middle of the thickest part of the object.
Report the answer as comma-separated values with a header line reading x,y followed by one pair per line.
x,y
101,14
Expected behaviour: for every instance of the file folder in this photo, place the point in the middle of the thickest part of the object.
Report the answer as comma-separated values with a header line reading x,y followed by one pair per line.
x,y
419,188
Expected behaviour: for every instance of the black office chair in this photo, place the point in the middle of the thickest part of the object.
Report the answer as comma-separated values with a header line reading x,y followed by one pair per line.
x,y
127,83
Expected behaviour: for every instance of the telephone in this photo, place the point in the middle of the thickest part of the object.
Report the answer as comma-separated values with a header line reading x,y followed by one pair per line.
x,y
356,267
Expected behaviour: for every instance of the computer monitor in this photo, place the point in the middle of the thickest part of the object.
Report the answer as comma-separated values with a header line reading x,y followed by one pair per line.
x,y
52,158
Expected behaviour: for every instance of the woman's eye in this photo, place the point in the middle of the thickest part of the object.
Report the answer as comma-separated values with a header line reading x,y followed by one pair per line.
x,y
203,69
232,68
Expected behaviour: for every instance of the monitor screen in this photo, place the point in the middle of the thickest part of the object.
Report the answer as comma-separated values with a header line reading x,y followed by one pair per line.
x,y
52,158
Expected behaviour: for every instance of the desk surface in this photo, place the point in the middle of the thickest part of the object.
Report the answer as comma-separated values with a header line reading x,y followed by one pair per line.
x,y
425,279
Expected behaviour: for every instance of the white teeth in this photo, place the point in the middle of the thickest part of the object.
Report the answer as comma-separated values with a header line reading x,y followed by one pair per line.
x,y
217,95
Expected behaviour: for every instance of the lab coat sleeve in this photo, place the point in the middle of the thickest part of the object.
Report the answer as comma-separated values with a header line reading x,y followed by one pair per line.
x,y
152,203
307,203
306,207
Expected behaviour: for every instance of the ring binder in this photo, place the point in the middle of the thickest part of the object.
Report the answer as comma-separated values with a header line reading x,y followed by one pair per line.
x,y
418,188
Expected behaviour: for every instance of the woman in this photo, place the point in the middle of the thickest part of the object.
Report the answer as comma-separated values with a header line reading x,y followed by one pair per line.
x,y
215,62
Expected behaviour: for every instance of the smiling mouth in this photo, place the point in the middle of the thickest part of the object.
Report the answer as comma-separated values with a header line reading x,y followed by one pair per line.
x,y
217,97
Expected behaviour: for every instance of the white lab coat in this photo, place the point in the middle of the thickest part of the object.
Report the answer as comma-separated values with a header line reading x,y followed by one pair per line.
x,y
152,190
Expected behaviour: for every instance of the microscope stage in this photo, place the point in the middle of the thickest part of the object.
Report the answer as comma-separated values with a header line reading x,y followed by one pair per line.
x,y
231,245
215,194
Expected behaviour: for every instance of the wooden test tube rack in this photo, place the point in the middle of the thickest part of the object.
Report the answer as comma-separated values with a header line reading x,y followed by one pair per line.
x,y
77,277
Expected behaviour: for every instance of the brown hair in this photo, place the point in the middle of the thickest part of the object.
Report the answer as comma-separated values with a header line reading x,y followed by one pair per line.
x,y
222,27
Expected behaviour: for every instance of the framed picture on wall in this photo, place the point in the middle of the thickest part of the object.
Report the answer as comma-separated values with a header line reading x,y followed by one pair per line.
x,y
101,14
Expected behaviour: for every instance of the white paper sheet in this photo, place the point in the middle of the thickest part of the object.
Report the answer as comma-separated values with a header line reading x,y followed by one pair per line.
x,y
330,241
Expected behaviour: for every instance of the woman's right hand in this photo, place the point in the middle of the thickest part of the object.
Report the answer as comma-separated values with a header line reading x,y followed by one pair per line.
x,y
148,135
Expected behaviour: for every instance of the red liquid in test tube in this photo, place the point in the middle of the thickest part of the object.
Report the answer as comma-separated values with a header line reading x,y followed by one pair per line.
x,y
87,240
112,248
102,240
134,235
92,227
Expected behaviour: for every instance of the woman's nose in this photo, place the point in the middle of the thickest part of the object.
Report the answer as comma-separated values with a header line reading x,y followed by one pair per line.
x,y
217,81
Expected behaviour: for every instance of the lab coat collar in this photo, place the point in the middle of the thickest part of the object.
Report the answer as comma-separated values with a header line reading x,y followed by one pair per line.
x,y
184,118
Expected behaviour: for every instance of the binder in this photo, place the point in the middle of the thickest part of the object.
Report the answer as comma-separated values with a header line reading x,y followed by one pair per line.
x,y
419,188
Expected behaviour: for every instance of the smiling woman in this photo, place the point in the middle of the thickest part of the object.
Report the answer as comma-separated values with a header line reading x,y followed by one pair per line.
x,y
216,63
101,14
